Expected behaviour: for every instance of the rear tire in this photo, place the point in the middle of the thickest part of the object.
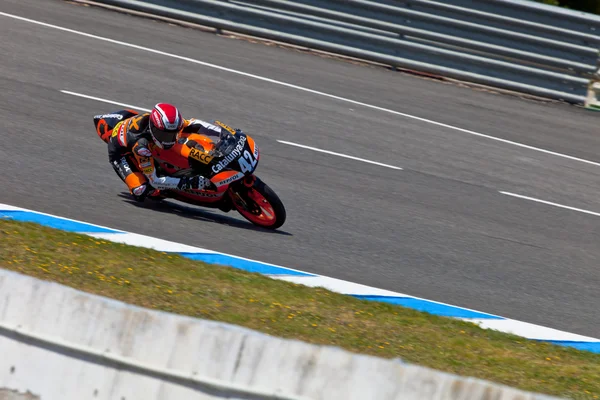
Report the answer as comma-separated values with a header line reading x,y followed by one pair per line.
x,y
259,205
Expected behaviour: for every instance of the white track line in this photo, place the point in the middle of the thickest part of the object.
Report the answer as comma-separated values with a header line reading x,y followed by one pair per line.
x,y
552,204
85,96
338,154
289,85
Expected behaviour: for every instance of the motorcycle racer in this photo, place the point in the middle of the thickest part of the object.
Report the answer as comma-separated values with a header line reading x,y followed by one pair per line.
x,y
139,135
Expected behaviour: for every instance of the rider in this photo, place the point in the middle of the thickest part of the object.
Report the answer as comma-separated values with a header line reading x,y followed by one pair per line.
x,y
138,135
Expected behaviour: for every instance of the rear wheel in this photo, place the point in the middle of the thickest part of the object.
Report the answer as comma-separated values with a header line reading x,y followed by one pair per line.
x,y
259,204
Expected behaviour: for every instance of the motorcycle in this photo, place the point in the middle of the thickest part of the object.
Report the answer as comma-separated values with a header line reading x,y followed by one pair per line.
x,y
229,163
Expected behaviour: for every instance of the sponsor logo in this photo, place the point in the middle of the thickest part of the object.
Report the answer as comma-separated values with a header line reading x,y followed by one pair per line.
x,y
168,144
146,165
125,165
200,156
115,131
119,133
157,121
230,179
172,126
144,152
227,127
122,135
230,157
203,194
117,116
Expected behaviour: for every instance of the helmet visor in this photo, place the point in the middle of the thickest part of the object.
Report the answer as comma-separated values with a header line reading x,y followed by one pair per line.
x,y
165,137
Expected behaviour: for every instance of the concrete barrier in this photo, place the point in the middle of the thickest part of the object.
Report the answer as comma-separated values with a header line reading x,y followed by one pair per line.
x,y
60,343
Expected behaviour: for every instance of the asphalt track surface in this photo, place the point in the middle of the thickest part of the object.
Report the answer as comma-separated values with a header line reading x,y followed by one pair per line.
x,y
437,229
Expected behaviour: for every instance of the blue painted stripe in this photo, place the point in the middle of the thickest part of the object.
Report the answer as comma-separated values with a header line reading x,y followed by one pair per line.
x,y
429,307
594,347
246,265
54,222
262,268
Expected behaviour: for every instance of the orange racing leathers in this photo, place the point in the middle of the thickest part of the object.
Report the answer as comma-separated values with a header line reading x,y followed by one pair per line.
x,y
132,136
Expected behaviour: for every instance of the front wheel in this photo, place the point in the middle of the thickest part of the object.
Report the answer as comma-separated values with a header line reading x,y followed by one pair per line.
x,y
259,204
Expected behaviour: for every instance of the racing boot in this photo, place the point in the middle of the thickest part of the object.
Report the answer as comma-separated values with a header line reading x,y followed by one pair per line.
x,y
156,195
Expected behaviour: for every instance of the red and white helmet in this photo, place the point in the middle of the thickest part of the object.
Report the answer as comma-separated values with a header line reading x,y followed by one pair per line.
x,y
165,123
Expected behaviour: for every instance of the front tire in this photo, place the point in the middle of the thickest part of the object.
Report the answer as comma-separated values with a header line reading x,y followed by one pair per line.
x,y
259,204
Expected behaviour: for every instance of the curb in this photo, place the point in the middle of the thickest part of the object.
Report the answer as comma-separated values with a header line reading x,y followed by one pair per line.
x,y
484,320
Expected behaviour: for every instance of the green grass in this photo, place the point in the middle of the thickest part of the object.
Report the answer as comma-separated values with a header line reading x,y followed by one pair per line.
x,y
171,283
590,6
